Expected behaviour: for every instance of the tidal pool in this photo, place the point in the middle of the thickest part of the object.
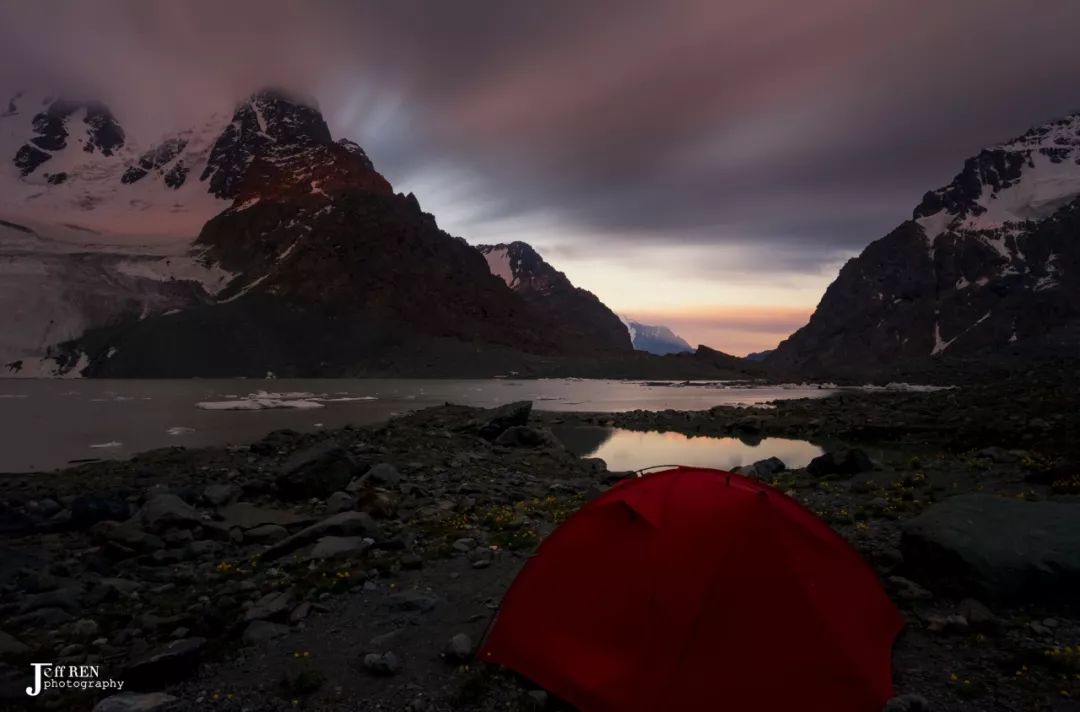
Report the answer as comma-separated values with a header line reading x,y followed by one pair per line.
x,y
635,450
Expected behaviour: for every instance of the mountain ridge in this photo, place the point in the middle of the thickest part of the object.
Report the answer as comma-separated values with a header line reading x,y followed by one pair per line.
x,y
985,275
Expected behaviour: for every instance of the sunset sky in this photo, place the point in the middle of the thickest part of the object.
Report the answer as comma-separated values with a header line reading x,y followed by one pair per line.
x,y
707,165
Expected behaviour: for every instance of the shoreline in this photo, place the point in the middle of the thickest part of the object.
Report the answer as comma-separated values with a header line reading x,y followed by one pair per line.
x,y
422,523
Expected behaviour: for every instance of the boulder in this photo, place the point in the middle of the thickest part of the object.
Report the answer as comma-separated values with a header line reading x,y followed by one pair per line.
x,y
14,522
166,511
129,537
275,604
459,649
263,631
88,510
762,468
383,474
1000,455
1000,549
845,463
64,598
340,502
247,516
175,661
266,534
220,495
332,547
135,702
343,524
526,436
415,601
385,664
504,417
316,472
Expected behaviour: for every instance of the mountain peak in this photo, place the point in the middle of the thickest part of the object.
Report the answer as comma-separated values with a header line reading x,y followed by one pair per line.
x,y
987,272
1013,183
527,273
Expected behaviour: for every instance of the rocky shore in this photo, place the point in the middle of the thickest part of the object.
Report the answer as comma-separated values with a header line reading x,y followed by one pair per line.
x,y
358,569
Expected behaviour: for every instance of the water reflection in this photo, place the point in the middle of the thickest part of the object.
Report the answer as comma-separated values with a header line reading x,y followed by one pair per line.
x,y
634,450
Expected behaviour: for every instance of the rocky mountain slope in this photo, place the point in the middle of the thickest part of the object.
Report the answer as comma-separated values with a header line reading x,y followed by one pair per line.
x,y
658,340
986,275
332,272
549,290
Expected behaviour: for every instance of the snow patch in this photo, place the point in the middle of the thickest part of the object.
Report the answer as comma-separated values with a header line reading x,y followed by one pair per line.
x,y
498,261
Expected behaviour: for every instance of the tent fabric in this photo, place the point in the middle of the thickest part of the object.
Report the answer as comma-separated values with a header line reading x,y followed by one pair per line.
x,y
697,589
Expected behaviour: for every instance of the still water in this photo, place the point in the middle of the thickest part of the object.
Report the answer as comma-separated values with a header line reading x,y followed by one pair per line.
x,y
44,424
633,450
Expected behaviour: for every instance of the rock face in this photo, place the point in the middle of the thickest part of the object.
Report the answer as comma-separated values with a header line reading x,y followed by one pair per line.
x,y
657,340
544,287
986,273
997,548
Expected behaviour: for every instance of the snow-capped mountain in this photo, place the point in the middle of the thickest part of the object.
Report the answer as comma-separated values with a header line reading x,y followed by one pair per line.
x,y
64,161
657,340
253,243
987,272
576,310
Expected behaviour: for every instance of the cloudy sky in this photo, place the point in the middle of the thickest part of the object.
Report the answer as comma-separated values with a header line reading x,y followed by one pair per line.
x,y
704,164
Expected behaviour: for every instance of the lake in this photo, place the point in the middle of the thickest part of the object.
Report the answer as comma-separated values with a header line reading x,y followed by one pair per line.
x,y
624,450
45,424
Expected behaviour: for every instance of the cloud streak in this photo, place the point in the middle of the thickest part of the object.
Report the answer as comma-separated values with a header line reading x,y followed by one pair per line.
x,y
756,137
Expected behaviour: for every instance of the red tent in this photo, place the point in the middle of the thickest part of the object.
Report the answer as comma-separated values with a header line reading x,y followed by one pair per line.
x,y
695,589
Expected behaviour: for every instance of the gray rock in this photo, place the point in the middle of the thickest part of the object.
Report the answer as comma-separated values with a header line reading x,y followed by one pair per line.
x,y
594,465
907,703
318,471
264,631
459,649
275,604
343,524
88,510
1000,455
65,598
384,474
172,662
844,463
124,587
44,507
266,534
340,502
41,617
385,664
411,601
524,436
999,549
11,646
978,616
128,535
909,590
300,613
136,702
464,545
768,466
85,629
175,537
222,494
504,417
165,511
245,515
332,547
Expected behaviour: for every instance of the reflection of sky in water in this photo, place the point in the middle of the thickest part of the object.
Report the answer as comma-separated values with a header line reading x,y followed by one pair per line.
x,y
633,450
